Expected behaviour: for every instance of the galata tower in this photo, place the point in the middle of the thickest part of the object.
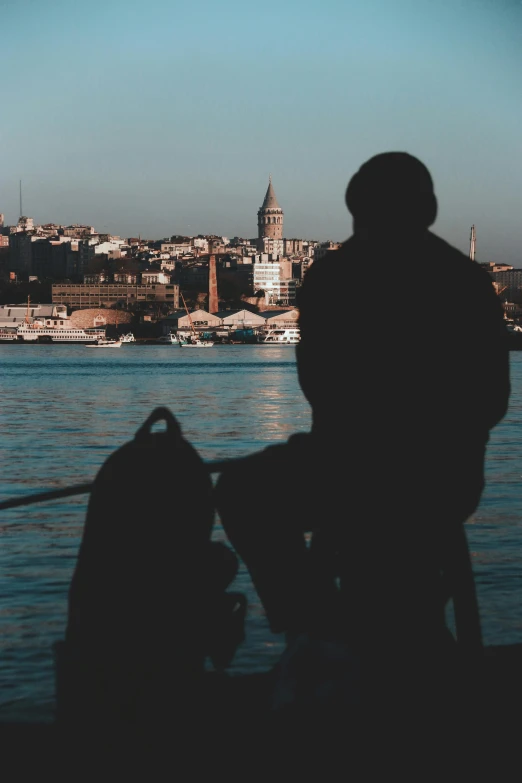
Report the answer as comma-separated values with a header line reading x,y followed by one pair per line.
x,y
270,216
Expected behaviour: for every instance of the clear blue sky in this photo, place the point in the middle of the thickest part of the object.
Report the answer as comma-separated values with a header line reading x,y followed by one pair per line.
x,y
159,117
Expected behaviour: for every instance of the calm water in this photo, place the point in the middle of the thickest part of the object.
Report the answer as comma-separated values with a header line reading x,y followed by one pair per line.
x,y
64,409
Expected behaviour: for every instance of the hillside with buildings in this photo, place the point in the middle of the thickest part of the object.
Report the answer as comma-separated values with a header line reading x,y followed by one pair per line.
x,y
77,266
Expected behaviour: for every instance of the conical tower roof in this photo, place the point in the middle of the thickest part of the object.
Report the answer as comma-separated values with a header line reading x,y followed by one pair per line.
x,y
270,201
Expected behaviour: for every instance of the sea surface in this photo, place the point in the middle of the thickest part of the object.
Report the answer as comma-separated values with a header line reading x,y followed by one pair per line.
x,y
65,409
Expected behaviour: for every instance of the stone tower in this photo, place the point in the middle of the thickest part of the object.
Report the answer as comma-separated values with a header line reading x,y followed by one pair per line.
x,y
270,216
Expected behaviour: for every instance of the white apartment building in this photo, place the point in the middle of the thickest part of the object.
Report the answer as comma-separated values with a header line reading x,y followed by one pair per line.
x,y
201,243
176,249
24,224
272,245
269,277
112,249
154,277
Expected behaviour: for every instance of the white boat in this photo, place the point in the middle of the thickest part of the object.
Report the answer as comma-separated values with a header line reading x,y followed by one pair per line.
x,y
128,338
105,344
197,343
7,335
194,341
40,332
170,339
280,337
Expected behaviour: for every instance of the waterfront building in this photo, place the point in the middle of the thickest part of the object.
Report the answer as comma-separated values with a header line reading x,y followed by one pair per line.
x,y
12,315
81,296
281,319
201,320
240,319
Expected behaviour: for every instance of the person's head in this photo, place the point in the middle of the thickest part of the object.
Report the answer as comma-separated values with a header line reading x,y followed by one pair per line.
x,y
393,192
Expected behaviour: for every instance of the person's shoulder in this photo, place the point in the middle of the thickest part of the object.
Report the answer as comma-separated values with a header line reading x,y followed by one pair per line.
x,y
329,263
441,251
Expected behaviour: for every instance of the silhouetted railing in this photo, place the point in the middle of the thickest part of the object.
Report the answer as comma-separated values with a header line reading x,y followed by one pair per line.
x,y
80,489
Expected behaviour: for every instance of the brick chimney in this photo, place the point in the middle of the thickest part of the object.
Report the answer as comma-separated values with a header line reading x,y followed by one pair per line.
x,y
212,285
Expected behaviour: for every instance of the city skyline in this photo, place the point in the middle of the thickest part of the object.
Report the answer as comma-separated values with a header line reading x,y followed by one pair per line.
x,y
165,119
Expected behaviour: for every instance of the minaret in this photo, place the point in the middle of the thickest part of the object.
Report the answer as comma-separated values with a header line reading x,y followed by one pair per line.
x,y
472,243
270,216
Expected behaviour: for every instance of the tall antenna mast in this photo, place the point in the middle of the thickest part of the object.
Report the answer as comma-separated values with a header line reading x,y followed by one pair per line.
x,y
472,243
21,212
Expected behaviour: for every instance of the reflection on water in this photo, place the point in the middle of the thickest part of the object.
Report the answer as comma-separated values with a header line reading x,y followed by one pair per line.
x,y
63,413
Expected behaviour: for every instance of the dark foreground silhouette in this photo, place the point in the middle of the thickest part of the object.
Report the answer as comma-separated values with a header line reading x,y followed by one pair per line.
x,y
353,533
405,383
148,602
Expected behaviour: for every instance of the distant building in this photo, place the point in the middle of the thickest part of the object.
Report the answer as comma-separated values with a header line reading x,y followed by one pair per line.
x,y
508,283
271,245
240,319
195,275
12,315
200,319
281,319
21,254
78,231
176,248
325,247
49,258
1,219
293,247
155,277
107,294
200,243
277,283
24,224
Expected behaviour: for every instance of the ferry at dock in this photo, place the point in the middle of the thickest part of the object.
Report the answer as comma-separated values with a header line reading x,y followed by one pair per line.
x,y
280,337
40,332
43,324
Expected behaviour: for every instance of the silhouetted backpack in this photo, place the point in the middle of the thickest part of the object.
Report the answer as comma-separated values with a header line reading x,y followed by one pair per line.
x,y
147,601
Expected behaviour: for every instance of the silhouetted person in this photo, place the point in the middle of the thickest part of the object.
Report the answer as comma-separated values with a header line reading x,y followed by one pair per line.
x,y
404,360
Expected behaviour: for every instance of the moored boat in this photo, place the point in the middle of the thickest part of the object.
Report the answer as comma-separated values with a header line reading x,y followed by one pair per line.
x,y
39,332
105,344
194,341
128,338
170,339
280,337
197,343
